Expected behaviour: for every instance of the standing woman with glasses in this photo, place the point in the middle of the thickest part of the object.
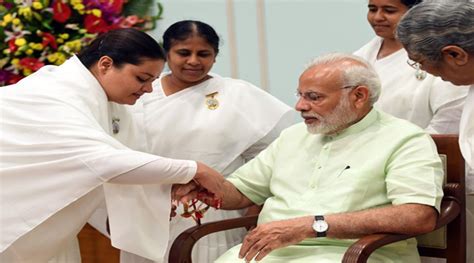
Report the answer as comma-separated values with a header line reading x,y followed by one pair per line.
x,y
408,92
193,113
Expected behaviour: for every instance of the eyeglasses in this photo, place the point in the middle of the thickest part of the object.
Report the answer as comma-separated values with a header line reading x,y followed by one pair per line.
x,y
413,64
313,96
419,73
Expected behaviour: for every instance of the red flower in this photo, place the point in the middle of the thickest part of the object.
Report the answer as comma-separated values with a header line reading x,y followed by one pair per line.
x,y
95,24
48,39
14,78
198,214
8,77
31,63
61,11
11,45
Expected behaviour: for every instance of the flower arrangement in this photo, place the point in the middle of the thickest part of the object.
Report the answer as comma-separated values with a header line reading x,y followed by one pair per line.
x,y
34,33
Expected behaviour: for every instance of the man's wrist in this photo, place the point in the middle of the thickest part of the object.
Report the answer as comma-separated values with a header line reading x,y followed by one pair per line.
x,y
320,226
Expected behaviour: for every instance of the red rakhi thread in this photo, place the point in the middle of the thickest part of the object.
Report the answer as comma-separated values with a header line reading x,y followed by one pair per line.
x,y
199,208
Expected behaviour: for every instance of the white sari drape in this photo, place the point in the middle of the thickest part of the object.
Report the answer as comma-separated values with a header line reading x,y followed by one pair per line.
x,y
56,153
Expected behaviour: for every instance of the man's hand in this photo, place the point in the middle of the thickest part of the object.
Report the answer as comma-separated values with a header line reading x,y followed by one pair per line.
x,y
267,237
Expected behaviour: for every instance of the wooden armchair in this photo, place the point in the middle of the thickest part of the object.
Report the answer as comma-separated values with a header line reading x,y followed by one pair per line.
x,y
95,247
452,217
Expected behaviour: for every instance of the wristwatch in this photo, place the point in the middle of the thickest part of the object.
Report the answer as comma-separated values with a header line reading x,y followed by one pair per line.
x,y
320,226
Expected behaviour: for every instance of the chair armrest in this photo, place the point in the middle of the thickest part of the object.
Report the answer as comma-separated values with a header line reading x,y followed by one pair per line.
x,y
360,251
453,190
183,245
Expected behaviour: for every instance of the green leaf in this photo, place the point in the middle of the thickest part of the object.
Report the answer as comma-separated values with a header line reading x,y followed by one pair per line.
x,y
46,25
37,16
137,7
3,10
160,11
3,62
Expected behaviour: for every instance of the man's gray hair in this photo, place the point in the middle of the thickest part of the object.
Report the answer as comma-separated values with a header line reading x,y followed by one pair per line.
x,y
357,74
429,26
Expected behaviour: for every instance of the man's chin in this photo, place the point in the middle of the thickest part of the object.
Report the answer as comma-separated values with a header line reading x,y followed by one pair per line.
x,y
318,129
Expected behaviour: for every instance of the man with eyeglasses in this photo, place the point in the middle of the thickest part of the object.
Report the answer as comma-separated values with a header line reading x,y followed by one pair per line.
x,y
346,172
440,37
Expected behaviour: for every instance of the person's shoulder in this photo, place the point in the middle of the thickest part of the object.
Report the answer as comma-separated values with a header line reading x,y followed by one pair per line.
x,y
446,88
397,125
369,47
395,133
233,83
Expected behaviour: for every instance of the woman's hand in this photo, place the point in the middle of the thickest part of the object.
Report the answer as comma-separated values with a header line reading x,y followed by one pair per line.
x,y
209,179
207,182
184,192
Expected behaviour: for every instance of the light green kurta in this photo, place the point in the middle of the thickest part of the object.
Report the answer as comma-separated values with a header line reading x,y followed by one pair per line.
x,y
379,161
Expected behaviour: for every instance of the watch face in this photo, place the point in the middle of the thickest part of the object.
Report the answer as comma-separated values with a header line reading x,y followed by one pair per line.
x,y
320,226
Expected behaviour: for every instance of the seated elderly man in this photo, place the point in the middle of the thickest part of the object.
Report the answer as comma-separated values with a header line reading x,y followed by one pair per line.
x,y
348,171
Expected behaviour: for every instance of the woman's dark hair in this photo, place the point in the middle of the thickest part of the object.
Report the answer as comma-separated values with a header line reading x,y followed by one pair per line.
x,y
182,30
124,46
410,3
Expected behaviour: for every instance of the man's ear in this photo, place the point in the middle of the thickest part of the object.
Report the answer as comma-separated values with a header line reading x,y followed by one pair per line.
x,y
361,96
455,55
105,63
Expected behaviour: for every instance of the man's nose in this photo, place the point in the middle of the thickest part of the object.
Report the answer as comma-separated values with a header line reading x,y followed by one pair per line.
x,y
302,105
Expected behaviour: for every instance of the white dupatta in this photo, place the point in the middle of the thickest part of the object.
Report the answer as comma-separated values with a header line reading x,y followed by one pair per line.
x,y
55,147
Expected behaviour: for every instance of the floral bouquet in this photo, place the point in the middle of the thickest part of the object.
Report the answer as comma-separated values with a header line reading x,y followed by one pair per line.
x,y
34,33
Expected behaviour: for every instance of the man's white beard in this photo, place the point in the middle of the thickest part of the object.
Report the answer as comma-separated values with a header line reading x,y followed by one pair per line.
x,y
339,117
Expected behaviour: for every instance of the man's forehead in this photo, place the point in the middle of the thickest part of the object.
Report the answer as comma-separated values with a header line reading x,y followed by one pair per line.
x,y
320,77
